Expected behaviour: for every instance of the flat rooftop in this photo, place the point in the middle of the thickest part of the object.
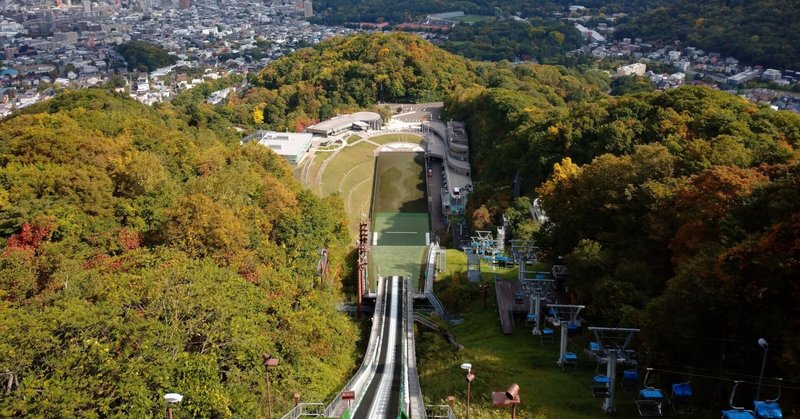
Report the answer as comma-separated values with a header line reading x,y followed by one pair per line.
x,y
344,120
283,143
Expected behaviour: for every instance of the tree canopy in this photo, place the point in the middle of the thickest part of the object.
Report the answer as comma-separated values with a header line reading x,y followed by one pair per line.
x,y
662,203
143,255
140,55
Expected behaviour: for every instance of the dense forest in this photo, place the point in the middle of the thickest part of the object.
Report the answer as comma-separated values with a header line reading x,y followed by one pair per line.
x,y
534,40
676,212
348,73
142,255
144,56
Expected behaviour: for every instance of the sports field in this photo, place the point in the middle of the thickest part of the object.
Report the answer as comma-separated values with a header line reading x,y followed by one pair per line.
x,y
400,221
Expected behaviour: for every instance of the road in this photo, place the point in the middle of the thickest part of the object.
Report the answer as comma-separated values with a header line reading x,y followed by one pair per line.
x,y
435,195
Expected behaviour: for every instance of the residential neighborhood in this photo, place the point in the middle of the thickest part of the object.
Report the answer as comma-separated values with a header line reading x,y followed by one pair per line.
x,y
682,64
66,43
60,44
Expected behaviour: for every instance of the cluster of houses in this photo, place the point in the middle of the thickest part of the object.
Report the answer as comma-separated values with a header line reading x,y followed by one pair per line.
x,y
69,43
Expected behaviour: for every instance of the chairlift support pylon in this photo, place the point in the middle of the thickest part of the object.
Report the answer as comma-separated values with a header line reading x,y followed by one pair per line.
x,y
523,251
540,289
613,349
562,315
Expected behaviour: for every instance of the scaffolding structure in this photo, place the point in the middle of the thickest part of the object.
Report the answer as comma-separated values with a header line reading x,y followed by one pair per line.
x,y
363,273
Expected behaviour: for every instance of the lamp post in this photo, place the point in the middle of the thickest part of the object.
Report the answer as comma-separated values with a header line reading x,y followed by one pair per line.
x,y
269,362
763,344
172,398
507,398
470,376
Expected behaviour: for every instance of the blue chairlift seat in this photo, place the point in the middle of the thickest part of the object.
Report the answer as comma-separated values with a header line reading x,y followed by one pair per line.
x,y
531,318
519,297
601,379
681,398
594,346
630,379
570,361
737,414
650,401
630,375
768,410
547,333
601,389
682,390
651,394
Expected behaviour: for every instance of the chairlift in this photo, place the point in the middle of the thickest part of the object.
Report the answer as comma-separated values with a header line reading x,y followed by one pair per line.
x,y
595,349
547,333
681,398
630,379
650,399
769,409
736,412
602,382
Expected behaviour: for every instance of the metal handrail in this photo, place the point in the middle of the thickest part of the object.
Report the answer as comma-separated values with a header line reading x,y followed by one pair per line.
x,y
416,404
440,411
305,409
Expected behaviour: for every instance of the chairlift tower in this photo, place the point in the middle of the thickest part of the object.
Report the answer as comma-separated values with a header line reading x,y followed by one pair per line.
x,y
539,290
523,251
484,244
613,348
562,316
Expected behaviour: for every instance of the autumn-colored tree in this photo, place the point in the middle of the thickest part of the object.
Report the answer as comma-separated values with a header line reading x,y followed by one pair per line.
x,y
481,219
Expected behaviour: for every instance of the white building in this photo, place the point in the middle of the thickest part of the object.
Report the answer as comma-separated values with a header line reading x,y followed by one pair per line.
x,y
771,74
292,146
637,69
357,121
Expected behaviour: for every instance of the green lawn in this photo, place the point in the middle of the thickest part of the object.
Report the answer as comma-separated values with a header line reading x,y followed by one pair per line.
x,y
350,173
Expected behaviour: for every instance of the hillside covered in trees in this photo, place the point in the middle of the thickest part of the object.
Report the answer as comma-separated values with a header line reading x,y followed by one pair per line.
x,y
141,255
534,40
144,56
676,212
343,74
